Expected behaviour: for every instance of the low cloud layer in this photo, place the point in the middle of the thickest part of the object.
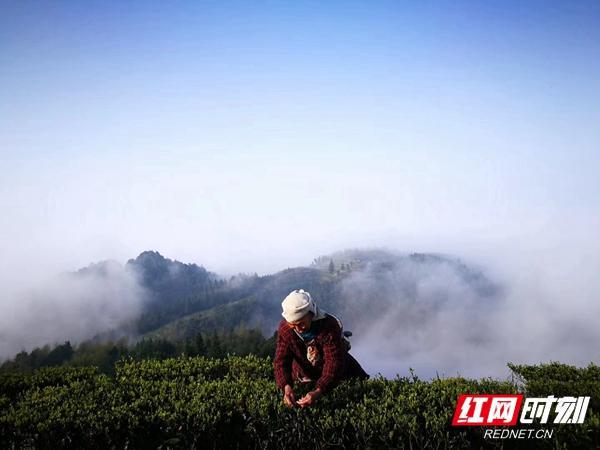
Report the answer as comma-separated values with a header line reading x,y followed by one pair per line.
x,y
530,305
72,306
546,310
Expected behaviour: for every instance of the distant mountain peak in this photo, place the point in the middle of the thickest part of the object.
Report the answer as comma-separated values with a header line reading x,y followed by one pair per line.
x,y
102,268
149,255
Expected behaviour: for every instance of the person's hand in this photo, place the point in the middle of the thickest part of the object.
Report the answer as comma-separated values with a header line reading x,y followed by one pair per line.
x,y
310,398
288,396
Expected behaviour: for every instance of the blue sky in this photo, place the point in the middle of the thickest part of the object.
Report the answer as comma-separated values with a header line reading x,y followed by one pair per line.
x,y
251,135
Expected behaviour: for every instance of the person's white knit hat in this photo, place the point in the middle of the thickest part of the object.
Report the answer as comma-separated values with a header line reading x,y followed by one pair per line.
x,y
297,304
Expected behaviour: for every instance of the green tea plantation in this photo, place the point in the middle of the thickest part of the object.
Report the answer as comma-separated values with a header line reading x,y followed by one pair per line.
x,y
198,402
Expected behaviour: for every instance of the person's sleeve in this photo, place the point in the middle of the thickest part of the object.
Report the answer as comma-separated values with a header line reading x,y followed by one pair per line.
x,y
283,361
334,360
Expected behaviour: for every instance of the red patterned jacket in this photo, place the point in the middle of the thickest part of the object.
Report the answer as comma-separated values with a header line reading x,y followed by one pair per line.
x,y
336,363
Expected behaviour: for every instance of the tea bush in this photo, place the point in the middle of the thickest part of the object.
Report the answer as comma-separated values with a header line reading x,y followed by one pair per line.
x,y
233,403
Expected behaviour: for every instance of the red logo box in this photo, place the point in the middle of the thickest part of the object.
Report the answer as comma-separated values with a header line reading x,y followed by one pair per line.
x,y
477,410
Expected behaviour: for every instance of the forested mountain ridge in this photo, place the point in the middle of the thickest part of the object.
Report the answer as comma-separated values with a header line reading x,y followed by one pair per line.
x,y
344,283
181,300
370,290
